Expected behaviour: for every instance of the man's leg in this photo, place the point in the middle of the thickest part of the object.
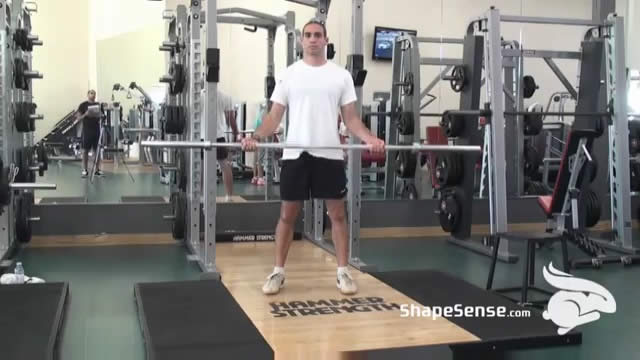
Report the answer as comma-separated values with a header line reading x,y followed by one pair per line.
x,y
339,234
294,188
329,182
95,145
86,147
85,159
284,230
227,176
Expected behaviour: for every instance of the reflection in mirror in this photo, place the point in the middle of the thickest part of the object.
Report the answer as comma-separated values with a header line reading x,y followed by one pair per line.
x,y
113,130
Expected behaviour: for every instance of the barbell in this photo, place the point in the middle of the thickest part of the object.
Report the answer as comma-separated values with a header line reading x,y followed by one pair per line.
x,y
208,145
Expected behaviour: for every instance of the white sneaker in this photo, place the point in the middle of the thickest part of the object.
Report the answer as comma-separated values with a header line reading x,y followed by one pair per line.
x,y
274,283
346,284
227,198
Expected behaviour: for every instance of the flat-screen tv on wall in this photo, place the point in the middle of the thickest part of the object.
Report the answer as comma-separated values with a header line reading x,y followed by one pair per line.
x,y
383,38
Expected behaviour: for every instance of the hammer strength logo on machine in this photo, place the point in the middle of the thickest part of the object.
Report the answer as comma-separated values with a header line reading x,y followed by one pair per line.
x,y
330,307
578,302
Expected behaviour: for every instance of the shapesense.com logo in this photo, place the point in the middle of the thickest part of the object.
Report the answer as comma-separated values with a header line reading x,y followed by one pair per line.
x,y
459,311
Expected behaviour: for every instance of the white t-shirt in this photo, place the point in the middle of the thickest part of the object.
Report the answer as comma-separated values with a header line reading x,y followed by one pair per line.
x,y
225,103
314,95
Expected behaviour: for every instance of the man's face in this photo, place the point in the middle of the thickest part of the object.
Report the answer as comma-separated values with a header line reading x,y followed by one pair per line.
x,y
91,95
314,40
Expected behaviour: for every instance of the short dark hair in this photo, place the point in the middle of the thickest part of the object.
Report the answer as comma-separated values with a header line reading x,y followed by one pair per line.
x,y
317,22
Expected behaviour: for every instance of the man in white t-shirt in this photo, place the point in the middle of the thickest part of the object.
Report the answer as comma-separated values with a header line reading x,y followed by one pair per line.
x,y
225,118
315,91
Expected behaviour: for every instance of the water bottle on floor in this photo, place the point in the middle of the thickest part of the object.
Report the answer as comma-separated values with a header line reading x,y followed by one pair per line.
x,y
19,272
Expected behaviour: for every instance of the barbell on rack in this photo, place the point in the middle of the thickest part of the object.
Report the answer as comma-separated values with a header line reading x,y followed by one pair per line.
x,y
208,145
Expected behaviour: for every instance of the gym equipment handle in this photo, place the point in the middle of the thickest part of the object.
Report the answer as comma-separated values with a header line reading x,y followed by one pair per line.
x,y
140,130
33,75
32,186
208,145
37,117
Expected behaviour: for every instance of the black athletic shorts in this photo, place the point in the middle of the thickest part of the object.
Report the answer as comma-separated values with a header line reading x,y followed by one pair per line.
x,y
312,177
221,152
90,138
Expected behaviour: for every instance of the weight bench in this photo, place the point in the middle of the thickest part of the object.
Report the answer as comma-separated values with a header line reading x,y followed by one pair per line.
x,y
562,208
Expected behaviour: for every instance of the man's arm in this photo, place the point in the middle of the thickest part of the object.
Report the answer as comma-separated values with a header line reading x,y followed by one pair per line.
x,y
270,121
355,125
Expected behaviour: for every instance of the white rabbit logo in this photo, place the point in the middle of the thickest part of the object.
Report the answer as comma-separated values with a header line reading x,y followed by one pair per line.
x,y
578,302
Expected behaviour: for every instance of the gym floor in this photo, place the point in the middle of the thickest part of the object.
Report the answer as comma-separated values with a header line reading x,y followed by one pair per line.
x,y
102,322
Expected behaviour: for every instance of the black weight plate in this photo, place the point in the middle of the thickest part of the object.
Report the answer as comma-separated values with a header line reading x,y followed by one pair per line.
x,y
5,191
406,163
179,79
458,80
32,111
24,202
179,211
405,123
532,124
21,117
181,174
453,125
532,161
28,158
450,212
407,88
43,157
409,191
529,86
449,169
170,119
635,177
594,209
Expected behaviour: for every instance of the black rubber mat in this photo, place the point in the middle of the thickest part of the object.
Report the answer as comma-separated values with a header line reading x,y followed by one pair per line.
x,y
31,319
142,199
196,320
434,288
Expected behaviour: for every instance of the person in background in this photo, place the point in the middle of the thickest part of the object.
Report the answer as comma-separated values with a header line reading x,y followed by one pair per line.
x,y
90,131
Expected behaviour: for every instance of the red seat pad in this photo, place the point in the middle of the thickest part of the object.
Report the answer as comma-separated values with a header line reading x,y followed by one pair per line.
x,y
368,156
545,204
